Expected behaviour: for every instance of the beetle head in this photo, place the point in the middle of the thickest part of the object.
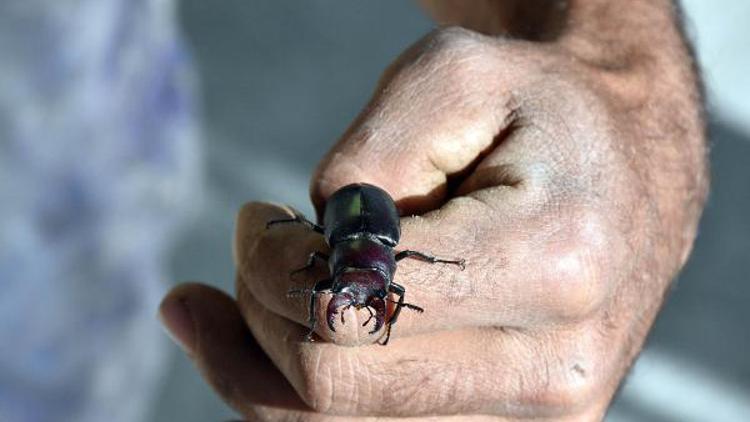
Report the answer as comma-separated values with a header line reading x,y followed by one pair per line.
x,y
358,289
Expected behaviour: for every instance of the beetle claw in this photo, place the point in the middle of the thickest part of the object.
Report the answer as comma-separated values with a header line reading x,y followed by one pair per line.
x,y
379,306
370,317
338,301
343,311
378,325
330,320
462,264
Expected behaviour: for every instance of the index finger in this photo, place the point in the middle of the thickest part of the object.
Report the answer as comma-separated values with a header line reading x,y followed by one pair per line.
x,y
504,284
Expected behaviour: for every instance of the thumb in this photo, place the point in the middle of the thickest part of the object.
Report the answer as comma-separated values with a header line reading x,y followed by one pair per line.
x,y
207,324
437,109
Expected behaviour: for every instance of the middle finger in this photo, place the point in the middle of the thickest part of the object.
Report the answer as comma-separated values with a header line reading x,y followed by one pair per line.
x,y
476,371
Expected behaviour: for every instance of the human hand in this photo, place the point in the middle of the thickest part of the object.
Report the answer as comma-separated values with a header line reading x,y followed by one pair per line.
x,y
571,186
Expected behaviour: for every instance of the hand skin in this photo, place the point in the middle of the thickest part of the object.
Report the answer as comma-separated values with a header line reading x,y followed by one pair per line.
x,y
563,159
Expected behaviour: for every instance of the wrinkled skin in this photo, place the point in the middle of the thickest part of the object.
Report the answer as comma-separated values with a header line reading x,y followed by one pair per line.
x,y
569,174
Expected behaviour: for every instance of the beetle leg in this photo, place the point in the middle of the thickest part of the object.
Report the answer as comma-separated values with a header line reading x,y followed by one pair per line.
x,y
394,317
409,306
319,287
310,262
399,291
299,219
429,258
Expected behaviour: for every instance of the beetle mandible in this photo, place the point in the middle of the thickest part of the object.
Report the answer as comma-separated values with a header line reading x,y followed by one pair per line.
x,y
361,226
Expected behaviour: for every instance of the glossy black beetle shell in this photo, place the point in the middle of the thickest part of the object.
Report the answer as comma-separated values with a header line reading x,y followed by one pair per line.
x,y
362,226
361,210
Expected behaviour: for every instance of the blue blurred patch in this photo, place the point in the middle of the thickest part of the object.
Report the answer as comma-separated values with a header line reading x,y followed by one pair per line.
x,y
98,156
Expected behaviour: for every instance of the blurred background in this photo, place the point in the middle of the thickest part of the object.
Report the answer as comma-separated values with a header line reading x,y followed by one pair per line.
x,y
131,131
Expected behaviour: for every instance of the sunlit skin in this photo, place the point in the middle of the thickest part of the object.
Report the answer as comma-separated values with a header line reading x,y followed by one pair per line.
x,y
559,148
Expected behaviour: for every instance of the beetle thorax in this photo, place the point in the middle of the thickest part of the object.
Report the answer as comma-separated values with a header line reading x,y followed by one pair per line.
x,y
363,254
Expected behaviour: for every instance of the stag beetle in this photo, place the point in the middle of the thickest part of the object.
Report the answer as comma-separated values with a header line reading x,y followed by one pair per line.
x,y
361,226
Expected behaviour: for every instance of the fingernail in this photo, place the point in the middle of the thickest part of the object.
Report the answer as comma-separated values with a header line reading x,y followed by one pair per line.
x,y
176,318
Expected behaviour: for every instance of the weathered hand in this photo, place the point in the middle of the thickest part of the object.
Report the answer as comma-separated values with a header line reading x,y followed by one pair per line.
x,y
570,183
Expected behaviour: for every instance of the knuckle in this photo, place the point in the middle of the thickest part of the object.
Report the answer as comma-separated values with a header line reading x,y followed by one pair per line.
x,y
568,395
455,54
572,381
454,37
578,285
